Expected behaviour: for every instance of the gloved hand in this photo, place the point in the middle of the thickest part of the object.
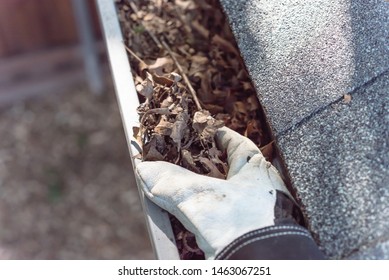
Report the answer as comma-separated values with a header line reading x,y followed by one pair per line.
x,y
217,211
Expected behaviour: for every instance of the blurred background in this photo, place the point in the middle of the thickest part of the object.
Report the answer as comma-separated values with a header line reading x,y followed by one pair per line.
x,y
67,189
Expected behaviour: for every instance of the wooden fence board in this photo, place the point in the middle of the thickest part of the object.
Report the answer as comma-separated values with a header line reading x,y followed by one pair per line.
x,y
30,25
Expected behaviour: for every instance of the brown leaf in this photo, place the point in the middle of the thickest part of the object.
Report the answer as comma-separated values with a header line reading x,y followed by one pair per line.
x,y
240,107
213,170
236,124
188,162
179,126
242,75
200,120
240,112
135,131
185,5
137,134
205,93
164,127
148,17
162,66
163,80
146,88
167,102
247,86
267,151
215,155
252,103
211,128
175,77
214,152
213,109
219,93
200,29
253,131
151,151
347,98
199,63
206,125
223,117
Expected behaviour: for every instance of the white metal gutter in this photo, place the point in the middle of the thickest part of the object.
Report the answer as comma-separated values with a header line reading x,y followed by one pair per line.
x,y
158,222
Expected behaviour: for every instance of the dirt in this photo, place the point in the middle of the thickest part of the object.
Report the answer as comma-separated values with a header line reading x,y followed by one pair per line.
x,y
67,188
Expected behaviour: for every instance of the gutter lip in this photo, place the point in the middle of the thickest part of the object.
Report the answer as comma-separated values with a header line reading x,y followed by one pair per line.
x,y
157,219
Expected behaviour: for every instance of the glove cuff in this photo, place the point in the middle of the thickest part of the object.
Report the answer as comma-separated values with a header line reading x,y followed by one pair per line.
x,y
273,243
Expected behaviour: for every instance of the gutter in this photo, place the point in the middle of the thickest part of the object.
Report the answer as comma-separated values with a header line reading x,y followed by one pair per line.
x,y
157,220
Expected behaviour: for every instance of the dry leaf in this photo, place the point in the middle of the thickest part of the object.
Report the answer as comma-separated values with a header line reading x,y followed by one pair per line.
x,y
200,29
223,117
152,151
267,151
164,127
236,124
253,131
209,132
200,120
206,125
175,77
188,162
162,66
240,107
347,98
146,88
213,109
162,80
167,102
206,87
211,167
179,126
185,5
199,63
148,17
252,103
214,155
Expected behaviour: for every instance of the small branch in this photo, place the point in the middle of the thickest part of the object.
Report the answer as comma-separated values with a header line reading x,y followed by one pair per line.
x,y
142,65
200,29
185,77
134,55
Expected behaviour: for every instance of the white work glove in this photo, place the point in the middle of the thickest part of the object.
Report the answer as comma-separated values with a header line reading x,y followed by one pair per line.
x,y
217,211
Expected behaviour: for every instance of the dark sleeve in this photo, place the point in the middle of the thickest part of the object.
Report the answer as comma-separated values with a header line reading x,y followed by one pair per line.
x,y
279,242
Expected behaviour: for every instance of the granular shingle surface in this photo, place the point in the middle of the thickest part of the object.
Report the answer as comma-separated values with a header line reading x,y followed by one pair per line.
x,y
339,162
372,252
303,54
303,57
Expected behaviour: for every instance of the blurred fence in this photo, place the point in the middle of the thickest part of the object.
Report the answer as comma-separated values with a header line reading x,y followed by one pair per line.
x,y
31,25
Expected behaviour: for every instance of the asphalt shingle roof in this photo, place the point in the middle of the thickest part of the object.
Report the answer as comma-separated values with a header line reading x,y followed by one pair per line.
x,y
304,56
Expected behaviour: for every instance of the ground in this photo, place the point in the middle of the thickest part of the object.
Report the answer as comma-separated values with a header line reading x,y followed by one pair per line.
x,y
67,188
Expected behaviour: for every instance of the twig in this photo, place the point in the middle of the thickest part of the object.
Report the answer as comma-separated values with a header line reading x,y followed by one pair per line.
x,y
134,55
142,65
159,111
191,89
200,29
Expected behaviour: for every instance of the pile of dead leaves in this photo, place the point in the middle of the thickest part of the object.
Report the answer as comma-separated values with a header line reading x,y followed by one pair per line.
x,y
191,81
174,130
